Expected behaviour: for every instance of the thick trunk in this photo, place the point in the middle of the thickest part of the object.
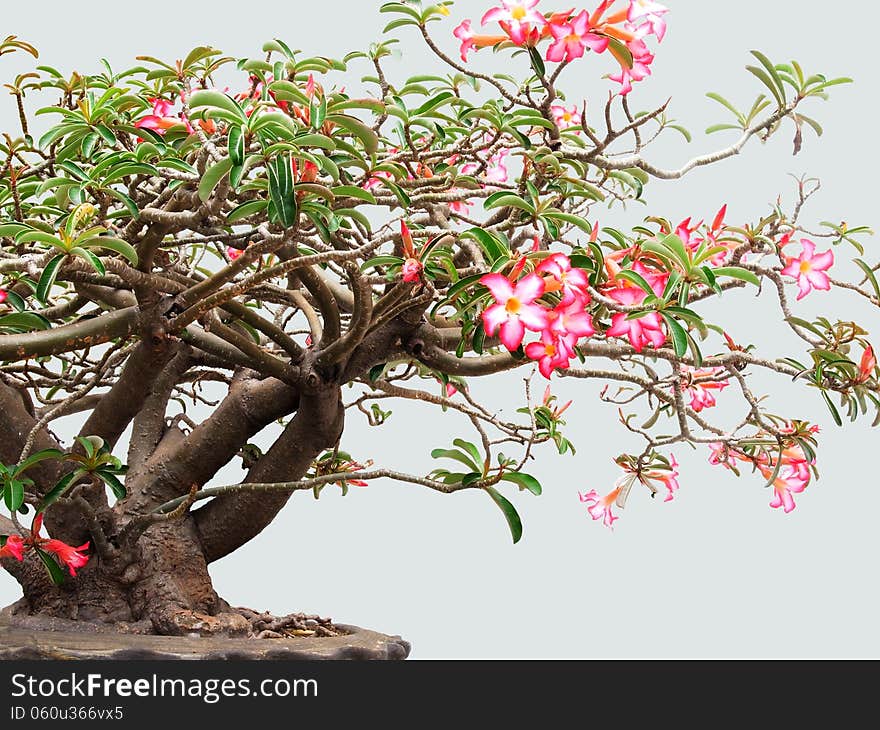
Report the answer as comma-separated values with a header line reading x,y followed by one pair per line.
x,y
162,585
165,589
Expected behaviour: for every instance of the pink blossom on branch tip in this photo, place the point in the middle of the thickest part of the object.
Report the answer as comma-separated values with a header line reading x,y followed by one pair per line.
x,y
572,38
516,17
514,310
808,269
599,508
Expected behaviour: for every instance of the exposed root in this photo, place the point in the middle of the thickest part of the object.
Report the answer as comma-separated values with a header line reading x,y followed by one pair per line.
x,y
264,625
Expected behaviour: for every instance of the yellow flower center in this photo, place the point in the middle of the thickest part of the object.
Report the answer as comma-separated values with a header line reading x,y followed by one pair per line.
x,y
806,266
513,305
518,13
567,116
550,350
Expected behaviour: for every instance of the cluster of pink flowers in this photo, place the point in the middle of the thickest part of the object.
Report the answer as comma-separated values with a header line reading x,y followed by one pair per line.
x,y
792,477
516,309
698,385
16,546
571,34
640,331
600,507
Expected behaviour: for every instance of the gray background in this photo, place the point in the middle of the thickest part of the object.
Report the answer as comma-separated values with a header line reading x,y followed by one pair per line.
x,y
716,573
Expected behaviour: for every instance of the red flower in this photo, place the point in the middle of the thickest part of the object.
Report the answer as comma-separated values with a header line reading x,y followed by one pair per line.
x,y
14,548
72,557
867,366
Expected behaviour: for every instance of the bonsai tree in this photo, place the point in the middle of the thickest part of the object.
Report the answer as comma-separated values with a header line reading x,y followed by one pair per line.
x,y
315,252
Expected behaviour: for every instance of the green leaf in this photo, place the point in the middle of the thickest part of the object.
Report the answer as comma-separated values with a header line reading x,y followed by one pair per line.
x,y
246,209
510,514
216,100
24,322
47,278
677,333
774,75
351,191
458,456
360,130
281,188
469,448
236,144
116,486
870,276
117,245
93,260
735,272
54,570
524,481
61,486
212,177
835,414
36,458
508,200
636,279
13,495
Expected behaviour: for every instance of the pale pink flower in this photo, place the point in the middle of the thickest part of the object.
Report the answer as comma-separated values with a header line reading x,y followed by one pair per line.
x,y
565,118
699,385
789,481
514,310
650,14
809,269
599,508
517,17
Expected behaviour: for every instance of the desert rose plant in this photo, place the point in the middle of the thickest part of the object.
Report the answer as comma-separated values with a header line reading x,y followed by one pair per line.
x,y
315,251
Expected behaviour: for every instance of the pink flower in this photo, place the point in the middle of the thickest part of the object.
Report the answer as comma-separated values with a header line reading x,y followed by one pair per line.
x,y
451,390
496,171
669,478
642,59
646,330
599,508
698,386
571,319
233,253
553,351
161,120
560,276
721,454
517,17
72,557
809,269
565,118
412,268
573,37
14,548
789,481
650,13
471,41
514,310
3,296
465,35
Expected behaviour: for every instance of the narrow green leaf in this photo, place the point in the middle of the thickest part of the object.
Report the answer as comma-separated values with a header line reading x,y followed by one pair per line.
x,y
510,514
212,177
